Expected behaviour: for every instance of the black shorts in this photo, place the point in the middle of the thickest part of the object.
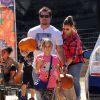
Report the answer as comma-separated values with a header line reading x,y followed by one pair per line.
x,y
28,79
7,78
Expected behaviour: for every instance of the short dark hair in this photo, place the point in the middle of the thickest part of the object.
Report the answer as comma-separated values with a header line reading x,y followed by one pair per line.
x,y
46,9
8,49
69,21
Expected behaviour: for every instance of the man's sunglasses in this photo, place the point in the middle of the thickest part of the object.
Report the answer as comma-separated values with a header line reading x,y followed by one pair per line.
x,y
44,16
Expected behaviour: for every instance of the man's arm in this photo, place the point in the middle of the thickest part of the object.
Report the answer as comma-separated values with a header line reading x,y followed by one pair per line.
x,y
30,33
61,54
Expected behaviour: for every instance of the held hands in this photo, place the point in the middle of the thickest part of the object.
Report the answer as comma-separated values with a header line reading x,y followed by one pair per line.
x,y
65,66
63,71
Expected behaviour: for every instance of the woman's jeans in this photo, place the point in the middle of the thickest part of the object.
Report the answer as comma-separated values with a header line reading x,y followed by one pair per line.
x,y
75,70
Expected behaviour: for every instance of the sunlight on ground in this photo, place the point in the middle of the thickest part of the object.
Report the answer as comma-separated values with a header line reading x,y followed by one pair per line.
x,y
13,97
83,96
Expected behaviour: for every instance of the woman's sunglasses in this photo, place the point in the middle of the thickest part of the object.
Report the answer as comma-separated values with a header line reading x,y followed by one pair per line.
x,y
66,29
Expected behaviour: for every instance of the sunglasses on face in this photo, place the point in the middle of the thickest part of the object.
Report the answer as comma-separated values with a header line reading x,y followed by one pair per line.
x,y
44,16
66,29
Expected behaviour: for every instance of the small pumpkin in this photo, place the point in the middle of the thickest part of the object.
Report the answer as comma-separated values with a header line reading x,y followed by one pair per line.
x,y
66,81
27,43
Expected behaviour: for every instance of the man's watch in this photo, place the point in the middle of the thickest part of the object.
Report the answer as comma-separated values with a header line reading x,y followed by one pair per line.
x,y
65,65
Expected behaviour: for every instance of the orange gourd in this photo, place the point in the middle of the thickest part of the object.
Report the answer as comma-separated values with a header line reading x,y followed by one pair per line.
x,y
66,81
28,43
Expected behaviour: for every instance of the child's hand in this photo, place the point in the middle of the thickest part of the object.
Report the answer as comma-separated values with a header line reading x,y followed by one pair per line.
x,y
39,62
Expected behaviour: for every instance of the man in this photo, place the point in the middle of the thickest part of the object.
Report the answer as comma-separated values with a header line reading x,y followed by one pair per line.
x,y
46,30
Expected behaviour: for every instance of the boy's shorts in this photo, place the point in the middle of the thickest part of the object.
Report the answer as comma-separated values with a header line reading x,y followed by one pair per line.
x,y
28,79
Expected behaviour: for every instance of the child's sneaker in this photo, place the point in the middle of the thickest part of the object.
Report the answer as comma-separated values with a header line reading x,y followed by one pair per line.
x,y
22,98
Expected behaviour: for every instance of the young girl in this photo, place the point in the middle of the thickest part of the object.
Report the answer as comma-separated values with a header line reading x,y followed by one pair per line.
x,y
73,50
42,67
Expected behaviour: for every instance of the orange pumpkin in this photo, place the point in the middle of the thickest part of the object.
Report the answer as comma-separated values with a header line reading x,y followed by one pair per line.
x,y
28,43
66,81
18,78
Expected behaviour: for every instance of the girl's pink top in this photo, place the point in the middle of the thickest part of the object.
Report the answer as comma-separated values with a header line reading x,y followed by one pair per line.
x,y
44,69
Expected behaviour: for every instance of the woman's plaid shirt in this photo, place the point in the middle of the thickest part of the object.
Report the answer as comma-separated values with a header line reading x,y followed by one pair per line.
x,y
73,48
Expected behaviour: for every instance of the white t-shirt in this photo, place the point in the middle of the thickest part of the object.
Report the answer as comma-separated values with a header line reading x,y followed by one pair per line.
x,y
51,32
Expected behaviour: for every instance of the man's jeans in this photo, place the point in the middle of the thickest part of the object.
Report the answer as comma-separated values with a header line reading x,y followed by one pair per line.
x,y
75,70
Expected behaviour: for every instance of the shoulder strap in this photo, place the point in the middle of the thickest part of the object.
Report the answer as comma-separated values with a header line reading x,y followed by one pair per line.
x,y
50,68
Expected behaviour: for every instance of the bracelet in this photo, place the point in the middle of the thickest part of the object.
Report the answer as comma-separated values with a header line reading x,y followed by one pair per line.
x,y
65,65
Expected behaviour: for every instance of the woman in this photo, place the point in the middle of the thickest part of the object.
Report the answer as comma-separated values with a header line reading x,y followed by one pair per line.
x,y
73,51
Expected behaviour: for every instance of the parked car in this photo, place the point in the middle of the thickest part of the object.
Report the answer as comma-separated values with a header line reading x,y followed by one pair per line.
x,y
92,79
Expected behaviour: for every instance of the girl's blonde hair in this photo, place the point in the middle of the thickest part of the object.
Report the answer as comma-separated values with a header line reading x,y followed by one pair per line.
x,y
44,41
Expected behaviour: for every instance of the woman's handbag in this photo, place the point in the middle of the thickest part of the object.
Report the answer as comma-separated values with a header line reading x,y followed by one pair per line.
x,y
41,85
